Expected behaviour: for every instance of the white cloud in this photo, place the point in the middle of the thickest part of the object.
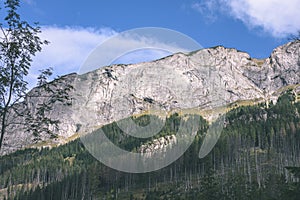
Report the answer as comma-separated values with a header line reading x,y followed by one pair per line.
x,y
30,2
77,49
207,8
141,55
277,17
135,44
68,47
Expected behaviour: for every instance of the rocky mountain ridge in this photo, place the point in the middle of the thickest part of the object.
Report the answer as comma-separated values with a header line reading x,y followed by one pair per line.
x,y
204,81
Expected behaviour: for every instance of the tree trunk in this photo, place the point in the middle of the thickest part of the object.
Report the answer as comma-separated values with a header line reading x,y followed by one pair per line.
x,y
3,127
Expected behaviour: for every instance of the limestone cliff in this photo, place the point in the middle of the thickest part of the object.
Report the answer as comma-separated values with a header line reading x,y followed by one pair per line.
x,y
200,81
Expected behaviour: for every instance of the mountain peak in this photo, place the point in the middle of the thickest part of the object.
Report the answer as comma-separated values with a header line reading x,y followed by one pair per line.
x,y
190,81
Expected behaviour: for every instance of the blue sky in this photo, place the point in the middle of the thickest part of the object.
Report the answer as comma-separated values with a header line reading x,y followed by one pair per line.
x,y
74,28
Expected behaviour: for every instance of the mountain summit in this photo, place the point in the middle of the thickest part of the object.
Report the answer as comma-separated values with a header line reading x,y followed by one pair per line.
x,y
209,82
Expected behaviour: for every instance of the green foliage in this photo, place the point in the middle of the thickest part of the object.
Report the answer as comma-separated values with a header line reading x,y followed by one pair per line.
x,y
52,94
19,43
246,163
125,141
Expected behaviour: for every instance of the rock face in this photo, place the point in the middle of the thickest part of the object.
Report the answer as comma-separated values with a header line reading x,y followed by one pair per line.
x,y
201,80
282,68
159,144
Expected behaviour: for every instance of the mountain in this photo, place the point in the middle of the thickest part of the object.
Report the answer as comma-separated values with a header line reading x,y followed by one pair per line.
x,y
208,82
256,157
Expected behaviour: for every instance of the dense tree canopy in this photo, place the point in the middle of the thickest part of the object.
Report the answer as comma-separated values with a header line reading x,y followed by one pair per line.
x,y
257,157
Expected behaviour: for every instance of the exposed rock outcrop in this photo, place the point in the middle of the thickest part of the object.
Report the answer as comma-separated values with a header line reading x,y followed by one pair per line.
x,y
201,80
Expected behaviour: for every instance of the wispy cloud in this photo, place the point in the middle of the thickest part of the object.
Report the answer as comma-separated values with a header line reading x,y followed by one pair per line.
x,y
71,48
276,17
68,48
141,55
208,9
30,2
138,45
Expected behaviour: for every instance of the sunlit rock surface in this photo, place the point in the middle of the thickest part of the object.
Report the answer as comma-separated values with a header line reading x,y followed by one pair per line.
x,y
205,82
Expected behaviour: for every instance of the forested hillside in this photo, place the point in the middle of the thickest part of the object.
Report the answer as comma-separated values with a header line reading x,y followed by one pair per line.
x,y
257,157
